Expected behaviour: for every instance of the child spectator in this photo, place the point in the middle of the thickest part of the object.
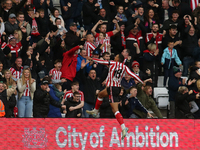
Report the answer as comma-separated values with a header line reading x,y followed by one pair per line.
x,y
59,92
168,59
120,14
76,113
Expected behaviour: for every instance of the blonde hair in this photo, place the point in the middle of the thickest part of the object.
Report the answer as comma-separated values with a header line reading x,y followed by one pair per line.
x,y
151,46
10,81
57,86
23,78
19,35
181,89
198,84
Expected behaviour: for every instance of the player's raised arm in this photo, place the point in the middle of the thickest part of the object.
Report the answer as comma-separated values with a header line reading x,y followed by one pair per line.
x,y
103,62
133,74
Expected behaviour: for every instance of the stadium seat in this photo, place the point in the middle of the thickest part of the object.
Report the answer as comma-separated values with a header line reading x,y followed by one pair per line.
x,y
161,95
160,81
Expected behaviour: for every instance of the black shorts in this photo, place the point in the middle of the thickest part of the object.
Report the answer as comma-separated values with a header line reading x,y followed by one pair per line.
x,y
113,93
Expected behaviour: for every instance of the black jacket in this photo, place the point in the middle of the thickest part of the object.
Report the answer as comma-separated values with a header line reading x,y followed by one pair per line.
x,y
182,102
90,87
89,13
41,102
71,103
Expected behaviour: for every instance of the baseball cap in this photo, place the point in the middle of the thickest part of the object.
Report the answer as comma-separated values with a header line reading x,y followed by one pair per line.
x,y
73,24
12,16
96,52
44,82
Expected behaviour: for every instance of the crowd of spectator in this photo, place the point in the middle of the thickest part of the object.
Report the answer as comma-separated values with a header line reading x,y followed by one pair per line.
x,y
45,56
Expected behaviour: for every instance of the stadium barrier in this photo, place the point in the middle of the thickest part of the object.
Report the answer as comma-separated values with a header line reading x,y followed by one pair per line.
x,y
85,134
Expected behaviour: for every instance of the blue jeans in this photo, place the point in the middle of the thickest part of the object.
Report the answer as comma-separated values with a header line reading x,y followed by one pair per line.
x,y
187,62
87,107
25,107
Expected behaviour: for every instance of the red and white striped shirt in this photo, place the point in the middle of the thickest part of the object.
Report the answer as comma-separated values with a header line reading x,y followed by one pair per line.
x,y
194,4
69,94
16,73
89,47
107,39
55,74
116,72
27,89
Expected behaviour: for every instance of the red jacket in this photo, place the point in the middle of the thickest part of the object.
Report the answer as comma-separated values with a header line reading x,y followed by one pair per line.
x,y
69,64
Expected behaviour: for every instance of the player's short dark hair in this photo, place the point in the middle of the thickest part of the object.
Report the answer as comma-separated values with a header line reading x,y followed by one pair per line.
x,y
74,83
57,61
121,58
172,27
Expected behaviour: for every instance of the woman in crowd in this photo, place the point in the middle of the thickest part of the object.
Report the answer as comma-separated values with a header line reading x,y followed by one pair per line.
x,y
26,88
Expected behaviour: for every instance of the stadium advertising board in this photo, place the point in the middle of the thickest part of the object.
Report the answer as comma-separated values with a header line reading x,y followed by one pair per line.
x,y
99,133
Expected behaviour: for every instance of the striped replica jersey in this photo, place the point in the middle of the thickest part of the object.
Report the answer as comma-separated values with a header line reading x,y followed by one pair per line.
x,y
27,89
69,94
15,73
55,74
89,47
107,40
116,72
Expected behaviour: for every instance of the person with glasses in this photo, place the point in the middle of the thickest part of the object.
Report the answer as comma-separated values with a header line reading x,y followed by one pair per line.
x,y
138,72
73,102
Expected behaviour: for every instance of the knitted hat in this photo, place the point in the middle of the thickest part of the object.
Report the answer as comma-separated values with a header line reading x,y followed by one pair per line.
x,y
11,37
135,63
176,69
96,51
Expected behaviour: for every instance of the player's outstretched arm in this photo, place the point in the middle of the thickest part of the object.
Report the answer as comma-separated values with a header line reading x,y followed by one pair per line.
x,y
133,74
103,62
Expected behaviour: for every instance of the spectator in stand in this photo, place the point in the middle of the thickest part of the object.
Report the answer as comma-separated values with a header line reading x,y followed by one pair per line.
x,y
22,22
89,45
165,11
139,13
196,52
174,20
69,63
169,58
136,104
73,102
2,29
144,93
183,8
54,111
136,69
5,94
26,88
90,11
183,100
150,20
11,25
45,5
173,36
134,35
150,4
61,29
120,14
102,29
127,82
42,99
7,8
190,41
43,22
73,37
151,61
55,73
118,41
174,83
56,14
69,94
17,69
91,89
